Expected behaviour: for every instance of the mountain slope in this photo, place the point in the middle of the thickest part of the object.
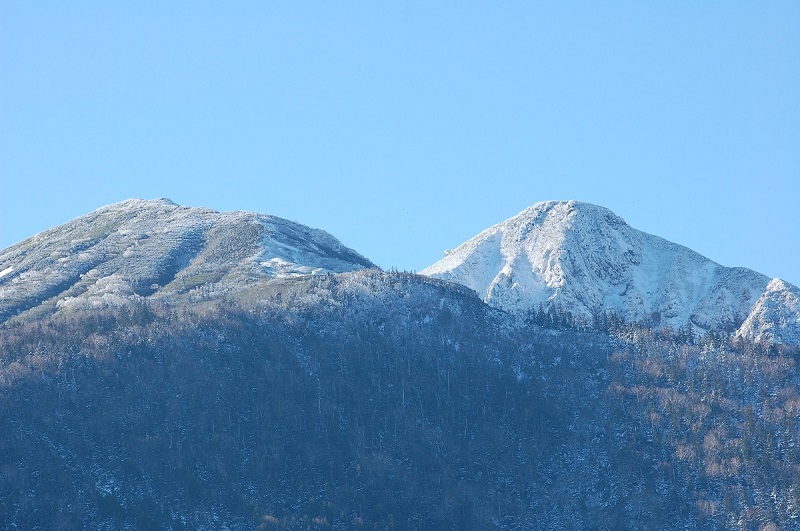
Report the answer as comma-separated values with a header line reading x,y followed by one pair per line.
x,y
373,400
136,397
158,249
775,318
586,259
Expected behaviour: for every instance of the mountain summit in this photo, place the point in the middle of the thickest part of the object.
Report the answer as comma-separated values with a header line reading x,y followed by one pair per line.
x,y
775,318
557,255
140,248
165,367
586,260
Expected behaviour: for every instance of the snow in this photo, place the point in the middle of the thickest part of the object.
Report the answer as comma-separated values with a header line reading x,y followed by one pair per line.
x,y
775,318
109,291
580,257
586,259
139,248
290,249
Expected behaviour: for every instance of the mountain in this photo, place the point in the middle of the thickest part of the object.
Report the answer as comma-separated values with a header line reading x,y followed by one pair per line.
x,y
775,318
586,260
164,367
156,249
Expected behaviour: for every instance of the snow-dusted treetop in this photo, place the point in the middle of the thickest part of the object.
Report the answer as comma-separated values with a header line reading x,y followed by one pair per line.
x,y
140,248
586,259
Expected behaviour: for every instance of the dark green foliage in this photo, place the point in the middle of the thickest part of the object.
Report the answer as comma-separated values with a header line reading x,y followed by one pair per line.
x,y
373,400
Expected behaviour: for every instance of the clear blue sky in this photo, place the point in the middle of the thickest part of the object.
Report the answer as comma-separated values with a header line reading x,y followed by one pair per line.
x,y
405,128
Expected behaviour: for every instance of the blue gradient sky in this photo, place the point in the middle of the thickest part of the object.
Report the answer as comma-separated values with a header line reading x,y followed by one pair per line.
x,y
406,128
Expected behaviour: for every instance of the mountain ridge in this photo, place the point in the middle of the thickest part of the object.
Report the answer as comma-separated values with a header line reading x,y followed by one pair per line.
x,y
586,259
143,248
569,255
774,318
275,399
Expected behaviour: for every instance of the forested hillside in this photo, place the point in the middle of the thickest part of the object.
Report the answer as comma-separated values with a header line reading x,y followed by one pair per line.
x,y
369,400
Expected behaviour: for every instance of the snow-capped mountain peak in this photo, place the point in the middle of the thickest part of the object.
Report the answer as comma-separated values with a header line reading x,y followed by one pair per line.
x,y
143,248
585,259
775,318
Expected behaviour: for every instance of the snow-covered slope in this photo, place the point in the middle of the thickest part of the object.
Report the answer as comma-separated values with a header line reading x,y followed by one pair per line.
x,y
586,259
576,256
775,318
156,248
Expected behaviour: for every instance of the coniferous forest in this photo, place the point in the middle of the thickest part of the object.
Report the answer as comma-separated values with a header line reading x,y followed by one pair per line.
x,y
375,400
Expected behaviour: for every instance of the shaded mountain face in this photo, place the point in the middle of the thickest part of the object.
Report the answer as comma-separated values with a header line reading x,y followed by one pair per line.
x,y
586,260
157,249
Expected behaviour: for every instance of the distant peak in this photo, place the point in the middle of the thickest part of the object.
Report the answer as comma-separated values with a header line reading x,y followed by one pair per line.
x,y
158,201
140,203
569,211
566,207
777,284
584,257
142,248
